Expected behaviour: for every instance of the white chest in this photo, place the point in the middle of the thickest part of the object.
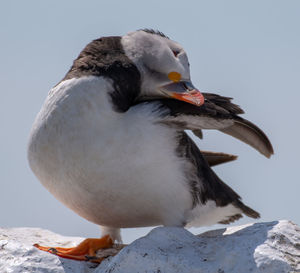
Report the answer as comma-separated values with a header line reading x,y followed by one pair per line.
x,y
115,169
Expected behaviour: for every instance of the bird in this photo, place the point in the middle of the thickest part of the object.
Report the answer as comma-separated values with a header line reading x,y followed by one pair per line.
x,y
110,141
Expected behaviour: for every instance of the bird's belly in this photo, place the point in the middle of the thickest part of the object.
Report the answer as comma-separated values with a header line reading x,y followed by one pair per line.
x,y
122,172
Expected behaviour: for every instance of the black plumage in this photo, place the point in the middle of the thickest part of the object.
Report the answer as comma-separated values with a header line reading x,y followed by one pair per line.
x,y
220,109
105,57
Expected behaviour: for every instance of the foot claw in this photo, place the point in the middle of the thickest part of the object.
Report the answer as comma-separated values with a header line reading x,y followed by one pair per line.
x,y
52,250
92,258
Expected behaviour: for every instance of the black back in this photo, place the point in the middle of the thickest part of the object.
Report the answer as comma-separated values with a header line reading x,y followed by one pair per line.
x,y
105,57
212,188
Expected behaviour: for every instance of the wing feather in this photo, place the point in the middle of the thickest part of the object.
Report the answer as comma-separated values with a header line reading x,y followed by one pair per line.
x,y
217,113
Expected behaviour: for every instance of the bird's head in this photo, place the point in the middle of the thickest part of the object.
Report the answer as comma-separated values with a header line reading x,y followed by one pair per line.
x,y
163,65
142,65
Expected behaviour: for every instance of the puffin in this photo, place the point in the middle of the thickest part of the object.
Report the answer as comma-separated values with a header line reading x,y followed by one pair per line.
x,y
110,141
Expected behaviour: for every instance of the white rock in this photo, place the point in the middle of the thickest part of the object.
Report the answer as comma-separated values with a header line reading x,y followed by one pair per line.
x,y
17,253
262,247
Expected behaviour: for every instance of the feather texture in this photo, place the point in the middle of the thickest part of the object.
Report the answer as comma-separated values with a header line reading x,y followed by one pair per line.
x,y
218,113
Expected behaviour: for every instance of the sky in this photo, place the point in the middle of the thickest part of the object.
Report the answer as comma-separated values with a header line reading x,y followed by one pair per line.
x,y
248,50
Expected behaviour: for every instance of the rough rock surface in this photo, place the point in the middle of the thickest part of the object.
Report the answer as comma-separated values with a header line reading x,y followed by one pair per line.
x,y
262,247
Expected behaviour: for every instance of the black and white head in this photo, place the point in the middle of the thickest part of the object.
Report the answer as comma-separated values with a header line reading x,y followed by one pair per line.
x,y
142,65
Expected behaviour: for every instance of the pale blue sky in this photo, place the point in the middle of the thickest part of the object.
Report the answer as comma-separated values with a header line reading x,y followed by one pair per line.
x,y
249,50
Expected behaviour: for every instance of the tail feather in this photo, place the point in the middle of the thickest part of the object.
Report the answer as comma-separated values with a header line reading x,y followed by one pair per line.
x,y
246,210
215,158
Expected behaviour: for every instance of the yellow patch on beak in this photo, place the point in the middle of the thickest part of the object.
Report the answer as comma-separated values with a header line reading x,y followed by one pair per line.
x,y
174,76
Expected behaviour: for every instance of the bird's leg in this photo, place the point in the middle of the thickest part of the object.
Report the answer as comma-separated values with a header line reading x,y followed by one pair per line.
x,y
85,251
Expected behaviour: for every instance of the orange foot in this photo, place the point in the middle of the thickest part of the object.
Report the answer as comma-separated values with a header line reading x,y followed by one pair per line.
x,y
85,251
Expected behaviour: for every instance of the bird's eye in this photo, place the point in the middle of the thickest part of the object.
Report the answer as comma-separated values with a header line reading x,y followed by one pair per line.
x,y
175,52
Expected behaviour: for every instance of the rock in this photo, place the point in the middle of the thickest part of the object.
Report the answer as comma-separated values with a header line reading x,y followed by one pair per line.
x,y
17,253
262,247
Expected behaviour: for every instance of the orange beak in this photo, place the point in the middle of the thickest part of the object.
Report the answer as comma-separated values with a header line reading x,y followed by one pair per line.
x,y
183,90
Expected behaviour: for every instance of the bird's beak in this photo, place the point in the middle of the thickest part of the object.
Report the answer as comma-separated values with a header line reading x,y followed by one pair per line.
x,y
183,90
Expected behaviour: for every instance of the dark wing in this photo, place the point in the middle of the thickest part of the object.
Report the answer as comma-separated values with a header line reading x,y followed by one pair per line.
x,y
249,133
206,185
216,113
